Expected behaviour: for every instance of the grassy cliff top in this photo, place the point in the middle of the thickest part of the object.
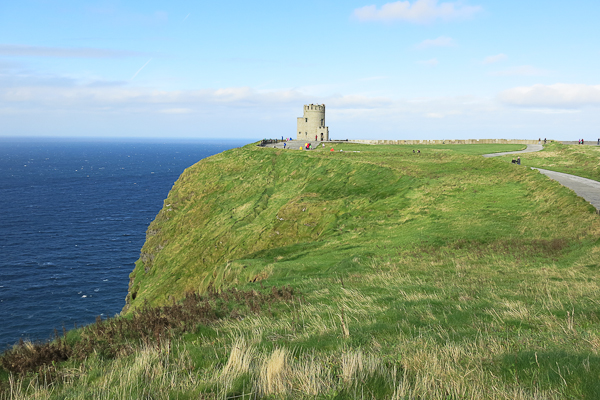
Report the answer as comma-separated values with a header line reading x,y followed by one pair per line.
x,y
251,213
370,273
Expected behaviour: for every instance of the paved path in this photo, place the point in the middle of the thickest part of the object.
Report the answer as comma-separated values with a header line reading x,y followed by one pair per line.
x,y
530,149
589,189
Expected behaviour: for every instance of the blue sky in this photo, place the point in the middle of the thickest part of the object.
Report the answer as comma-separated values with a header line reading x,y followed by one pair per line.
x,y
417,69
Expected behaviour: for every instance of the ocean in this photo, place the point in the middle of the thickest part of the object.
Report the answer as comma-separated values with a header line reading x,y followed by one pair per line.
x,y
73,218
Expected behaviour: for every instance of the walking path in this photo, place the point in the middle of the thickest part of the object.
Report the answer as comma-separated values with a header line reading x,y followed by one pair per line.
x,y
589,189
296,144
530,149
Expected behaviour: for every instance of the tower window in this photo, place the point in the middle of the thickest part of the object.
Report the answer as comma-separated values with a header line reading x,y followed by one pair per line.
x,y
305,119
321,121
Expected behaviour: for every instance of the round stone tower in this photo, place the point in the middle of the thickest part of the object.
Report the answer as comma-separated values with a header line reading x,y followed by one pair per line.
x,y
312,125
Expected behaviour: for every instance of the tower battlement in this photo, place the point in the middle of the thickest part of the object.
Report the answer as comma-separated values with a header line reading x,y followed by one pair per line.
x,y
314,107
311,126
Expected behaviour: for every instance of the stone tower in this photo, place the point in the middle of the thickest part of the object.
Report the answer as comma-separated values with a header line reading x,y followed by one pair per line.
x,y
312,124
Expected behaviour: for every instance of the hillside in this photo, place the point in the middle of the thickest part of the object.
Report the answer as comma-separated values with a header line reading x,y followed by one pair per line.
x,y
371,272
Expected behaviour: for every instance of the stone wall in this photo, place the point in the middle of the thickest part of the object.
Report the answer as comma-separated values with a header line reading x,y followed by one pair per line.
x,y
458,141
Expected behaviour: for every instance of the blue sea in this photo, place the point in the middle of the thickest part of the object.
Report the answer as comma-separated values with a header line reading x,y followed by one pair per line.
x,y
73,218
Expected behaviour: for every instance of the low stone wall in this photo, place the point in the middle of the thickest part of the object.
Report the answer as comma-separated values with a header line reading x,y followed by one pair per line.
x,y
461,141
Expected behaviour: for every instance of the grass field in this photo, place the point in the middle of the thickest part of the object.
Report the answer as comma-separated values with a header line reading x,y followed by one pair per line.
x,y
442,275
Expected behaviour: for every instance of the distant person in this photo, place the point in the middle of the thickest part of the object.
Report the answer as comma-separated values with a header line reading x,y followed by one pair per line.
x,y
315,138
414,151
518,160
539,140
324,143
598,142
284,143
544,140
282,138
514,161
582,141
419,152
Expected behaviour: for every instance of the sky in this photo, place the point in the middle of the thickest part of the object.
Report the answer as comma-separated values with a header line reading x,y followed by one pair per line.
x,y
415,69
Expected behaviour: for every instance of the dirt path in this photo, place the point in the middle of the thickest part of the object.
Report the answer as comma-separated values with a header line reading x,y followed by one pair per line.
x,y
589,189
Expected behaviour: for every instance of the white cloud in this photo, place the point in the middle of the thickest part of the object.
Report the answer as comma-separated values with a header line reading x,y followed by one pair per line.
x,y
176,111
559,95
434,115
494,59
15,50
419,12
552,111
429,63
523,70
442,41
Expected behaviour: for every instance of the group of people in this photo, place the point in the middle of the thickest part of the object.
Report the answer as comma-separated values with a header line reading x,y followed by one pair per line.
x,y
517,161
540,140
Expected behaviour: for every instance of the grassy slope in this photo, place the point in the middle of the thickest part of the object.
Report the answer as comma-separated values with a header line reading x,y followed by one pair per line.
x,y
233,214
444,275
577,160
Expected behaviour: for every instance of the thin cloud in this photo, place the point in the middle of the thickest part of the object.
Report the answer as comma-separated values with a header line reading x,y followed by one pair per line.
x,y
494,59
176,111
13,50
138,71
186,17
419,12
442,41
523,70
372,78
429,63
559,95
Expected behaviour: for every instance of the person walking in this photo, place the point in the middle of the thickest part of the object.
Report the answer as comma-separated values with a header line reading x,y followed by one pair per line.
x,y
284,143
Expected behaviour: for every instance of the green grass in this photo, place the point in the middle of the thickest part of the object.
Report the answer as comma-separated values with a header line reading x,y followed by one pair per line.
x,y
442,276
577,160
